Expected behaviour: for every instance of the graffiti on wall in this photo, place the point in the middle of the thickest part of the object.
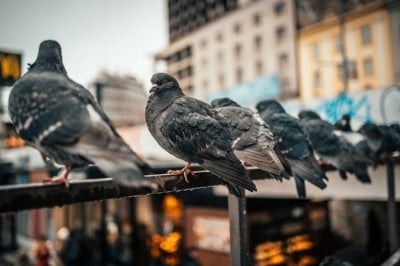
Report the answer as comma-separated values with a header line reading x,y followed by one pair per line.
x,y
357,108
375,105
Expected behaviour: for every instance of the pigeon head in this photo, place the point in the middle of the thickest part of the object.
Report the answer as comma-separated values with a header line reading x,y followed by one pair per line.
x,y
346,117
270,107
222,102
163,82
308,114
370,130
49,58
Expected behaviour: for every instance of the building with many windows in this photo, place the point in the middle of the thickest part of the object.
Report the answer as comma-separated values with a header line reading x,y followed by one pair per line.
x,y
328,45
246,45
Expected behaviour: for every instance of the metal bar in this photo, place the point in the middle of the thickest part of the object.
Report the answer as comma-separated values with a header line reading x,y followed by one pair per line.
x,y
40,195
392,223
238,235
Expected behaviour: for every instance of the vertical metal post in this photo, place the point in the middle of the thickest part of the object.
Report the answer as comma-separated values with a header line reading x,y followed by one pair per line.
x,y
342,26
392,223
238,234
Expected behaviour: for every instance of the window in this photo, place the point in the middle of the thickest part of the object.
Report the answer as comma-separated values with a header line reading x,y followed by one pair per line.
x,y
283,61
259,68
317,79
279,8
221,81
257,19
219,37
368,67
205,85
338,43
315,50
239,75
366,34
257,42
237,28
238,50
342,71
280,33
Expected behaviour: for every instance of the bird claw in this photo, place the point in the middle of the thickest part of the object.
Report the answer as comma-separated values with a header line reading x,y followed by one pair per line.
x,y
63,178
57,180
185,172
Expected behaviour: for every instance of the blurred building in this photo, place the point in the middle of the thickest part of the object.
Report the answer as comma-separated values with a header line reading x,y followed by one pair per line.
x,y
346,46
122,97
237,46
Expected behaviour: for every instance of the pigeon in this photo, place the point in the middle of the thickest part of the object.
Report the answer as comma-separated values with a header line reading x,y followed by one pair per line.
x,y
192,131
294,144
382,140
62,120
334,149
253,140
358,140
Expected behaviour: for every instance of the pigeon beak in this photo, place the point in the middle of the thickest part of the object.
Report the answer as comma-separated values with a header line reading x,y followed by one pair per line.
x,y
153,88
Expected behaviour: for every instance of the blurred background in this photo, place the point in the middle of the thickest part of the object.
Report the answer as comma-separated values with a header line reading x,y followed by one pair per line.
x,y
334,57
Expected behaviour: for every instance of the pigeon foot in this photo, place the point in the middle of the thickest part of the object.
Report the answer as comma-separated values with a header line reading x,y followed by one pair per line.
x,y
185,171
63,178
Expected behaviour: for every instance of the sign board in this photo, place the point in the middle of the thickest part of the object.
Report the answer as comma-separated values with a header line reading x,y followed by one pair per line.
x,y
10,68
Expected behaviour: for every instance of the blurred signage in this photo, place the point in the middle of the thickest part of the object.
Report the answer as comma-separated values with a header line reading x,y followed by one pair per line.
x,y
10,68
212,233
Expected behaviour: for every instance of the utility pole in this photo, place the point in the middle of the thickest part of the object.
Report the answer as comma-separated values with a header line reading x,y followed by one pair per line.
x,y
342,25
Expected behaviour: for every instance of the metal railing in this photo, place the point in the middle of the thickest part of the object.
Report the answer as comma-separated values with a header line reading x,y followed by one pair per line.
x,y
39,195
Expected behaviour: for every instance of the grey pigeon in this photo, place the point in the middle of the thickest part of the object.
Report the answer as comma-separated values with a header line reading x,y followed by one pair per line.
x,y
334,149
382,140
358,140
191,130
344,123
253,140
64,122
294,144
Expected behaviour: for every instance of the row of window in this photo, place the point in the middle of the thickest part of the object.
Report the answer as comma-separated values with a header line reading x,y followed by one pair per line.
x,y
368,68
239,73
366,39
280,31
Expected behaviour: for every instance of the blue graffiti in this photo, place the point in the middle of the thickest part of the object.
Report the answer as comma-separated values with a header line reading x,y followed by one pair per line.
x,y
344,104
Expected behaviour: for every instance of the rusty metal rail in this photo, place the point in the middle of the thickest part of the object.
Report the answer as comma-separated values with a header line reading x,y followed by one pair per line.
x,y
39,195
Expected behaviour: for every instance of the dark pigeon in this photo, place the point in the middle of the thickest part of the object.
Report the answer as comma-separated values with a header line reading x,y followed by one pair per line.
x,y
294,144
344,123
358,140
334,149
191,130
64,122
382,140
253,140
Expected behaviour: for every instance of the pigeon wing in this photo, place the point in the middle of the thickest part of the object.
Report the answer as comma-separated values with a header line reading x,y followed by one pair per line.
x,y
198,134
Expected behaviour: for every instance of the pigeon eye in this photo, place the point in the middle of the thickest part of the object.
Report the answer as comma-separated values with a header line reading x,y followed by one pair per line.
x,y
164,81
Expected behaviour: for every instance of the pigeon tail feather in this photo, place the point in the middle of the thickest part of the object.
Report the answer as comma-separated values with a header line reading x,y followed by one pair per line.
x,y
230,173
309,170
300,187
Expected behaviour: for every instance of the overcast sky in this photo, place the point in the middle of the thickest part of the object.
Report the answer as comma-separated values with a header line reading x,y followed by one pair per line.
x,y
119,36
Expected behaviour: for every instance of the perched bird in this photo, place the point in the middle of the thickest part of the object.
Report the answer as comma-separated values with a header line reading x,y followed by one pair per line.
x,y
64,122
294,144
382,140
358,140
253,140
334,149
344,123
194,132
